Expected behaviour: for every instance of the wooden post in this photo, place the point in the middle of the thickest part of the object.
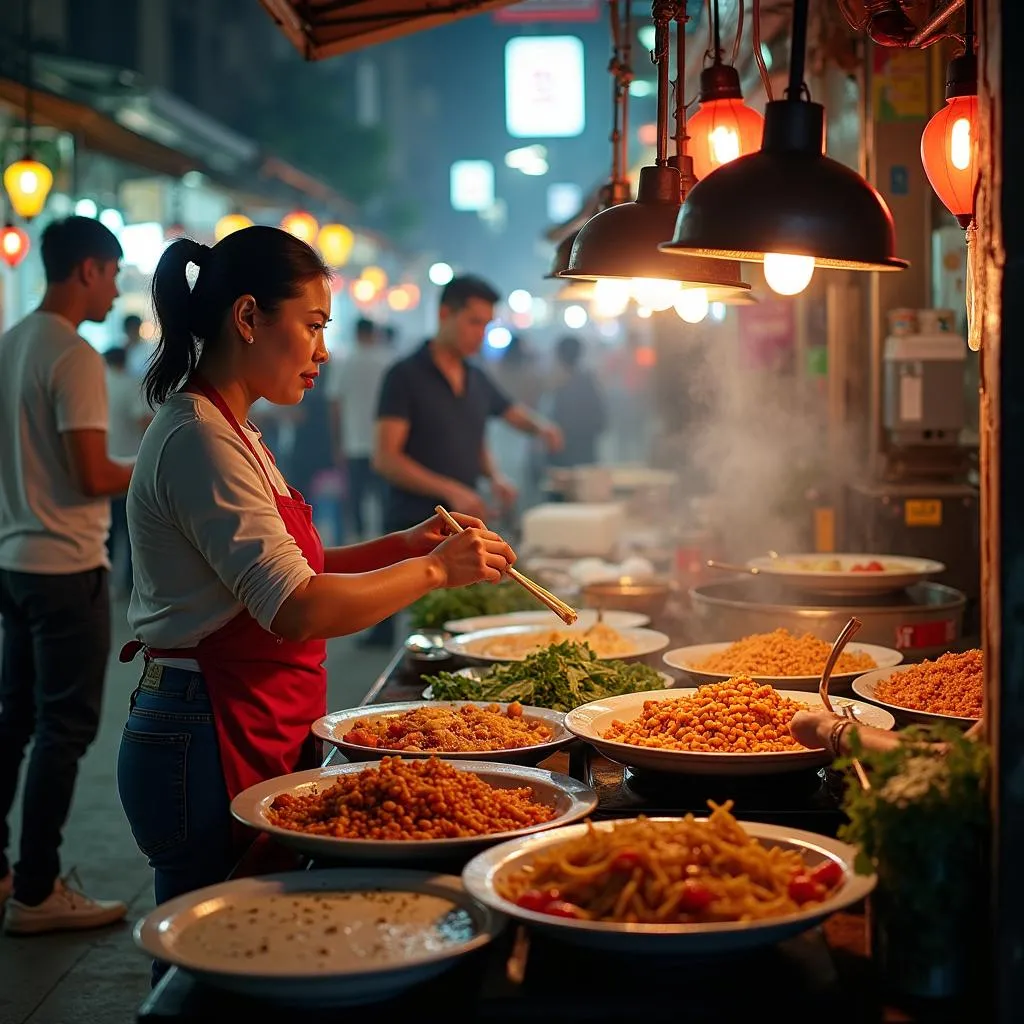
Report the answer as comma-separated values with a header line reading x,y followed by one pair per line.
x,y
997,266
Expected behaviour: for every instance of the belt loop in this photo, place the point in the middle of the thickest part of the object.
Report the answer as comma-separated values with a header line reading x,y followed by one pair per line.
x,y
195,686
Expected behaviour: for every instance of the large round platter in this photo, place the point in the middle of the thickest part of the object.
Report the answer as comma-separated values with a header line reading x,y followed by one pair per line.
x,y
479,671
805,572
483,874
333,727
545,619
591,720
466,645
865,686
382,930
683,658
571,799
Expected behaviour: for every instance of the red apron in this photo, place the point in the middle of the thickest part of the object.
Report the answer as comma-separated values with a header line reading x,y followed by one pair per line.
x,y
265,691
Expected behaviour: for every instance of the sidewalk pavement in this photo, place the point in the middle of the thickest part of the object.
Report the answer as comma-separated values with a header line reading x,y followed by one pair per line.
x,y
99,976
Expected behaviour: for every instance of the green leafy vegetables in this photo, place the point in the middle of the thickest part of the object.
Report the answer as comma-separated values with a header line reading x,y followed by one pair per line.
x,y
562,677
433,610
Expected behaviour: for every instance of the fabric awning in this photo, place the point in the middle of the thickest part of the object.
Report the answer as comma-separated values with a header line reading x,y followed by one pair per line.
x,y
325,28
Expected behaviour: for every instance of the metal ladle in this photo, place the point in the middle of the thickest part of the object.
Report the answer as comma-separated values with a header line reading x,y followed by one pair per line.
x,y
826,673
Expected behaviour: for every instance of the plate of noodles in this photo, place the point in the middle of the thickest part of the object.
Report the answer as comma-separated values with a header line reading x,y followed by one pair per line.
x,y
949,689
737,727
404,809
457,730
679,885
846,575
513,643
781,659
547,619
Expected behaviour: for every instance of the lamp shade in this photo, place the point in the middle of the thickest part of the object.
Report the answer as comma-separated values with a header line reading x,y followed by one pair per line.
x,y
788,198
28,183
560,264
724,127
622,242
14,245
949,144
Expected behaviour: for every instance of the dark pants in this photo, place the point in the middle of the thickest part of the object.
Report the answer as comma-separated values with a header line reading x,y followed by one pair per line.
x,y
171,784
56,638
119,538
363,484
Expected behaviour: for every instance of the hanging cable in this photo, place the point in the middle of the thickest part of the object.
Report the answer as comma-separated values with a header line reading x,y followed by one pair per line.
x,y
680,103
662,14
758,55
738,40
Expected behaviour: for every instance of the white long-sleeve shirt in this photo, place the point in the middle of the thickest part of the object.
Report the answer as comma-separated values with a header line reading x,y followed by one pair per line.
x,y
207,538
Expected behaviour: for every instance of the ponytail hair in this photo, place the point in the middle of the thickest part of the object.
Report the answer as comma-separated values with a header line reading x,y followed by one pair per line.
x,y
267,263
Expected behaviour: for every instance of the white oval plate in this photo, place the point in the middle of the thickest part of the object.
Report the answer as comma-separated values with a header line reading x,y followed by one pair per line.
x,y
864,686
683,657
428,899
546,619
645,641
482,874
797,570
333,727
476,671
571,799
591,720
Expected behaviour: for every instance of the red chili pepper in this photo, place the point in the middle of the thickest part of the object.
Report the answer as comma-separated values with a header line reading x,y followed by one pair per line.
x,y
828,873
626,861
537,901
804,889
695,897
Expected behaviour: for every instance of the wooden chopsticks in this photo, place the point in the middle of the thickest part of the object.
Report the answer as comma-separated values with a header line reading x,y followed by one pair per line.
x,y
560,608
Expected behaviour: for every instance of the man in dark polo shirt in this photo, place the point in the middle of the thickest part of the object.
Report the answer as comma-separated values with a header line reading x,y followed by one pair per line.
x,y
432,415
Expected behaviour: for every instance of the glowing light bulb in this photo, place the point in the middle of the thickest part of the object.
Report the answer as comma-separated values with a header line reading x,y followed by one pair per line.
x,y
692,305
575,317
788,274
655,294
725,144
610,298
960,144
644,313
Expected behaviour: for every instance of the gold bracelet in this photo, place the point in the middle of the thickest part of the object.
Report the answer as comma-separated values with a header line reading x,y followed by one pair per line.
x,y
836,735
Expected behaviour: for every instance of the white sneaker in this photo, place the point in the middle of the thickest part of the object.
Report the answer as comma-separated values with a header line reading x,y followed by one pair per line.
x,y
65,909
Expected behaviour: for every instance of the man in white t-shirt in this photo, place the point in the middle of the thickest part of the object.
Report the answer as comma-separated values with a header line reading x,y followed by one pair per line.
x,y
353,385
56,480
128,417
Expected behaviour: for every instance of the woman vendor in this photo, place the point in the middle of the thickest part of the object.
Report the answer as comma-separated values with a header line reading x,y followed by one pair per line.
x,y
234,594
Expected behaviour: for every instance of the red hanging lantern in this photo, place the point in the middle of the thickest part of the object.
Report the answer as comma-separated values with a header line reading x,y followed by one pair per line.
x,y
14,245
724,127
949,144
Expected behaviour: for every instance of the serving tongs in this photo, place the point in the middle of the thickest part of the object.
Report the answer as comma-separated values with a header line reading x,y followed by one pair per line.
x,y
566,613
842,640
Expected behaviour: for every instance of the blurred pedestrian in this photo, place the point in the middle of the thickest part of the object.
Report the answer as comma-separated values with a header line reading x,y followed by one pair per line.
x,y
578,406
56,479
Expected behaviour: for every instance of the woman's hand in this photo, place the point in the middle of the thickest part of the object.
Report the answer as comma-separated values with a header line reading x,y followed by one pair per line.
x,y
422,539
473,556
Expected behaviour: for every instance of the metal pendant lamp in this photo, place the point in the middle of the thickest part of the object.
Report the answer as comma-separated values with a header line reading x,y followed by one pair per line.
x,y
623,241
789,206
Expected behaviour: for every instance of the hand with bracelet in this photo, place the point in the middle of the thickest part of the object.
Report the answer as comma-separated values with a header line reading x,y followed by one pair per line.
x,y
818,730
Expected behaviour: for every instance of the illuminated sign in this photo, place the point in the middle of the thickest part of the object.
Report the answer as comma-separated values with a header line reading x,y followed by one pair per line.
x,y
472,185
544,87
564,201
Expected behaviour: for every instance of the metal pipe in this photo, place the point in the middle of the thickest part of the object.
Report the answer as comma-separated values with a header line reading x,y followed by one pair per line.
x,y
936,21
798,50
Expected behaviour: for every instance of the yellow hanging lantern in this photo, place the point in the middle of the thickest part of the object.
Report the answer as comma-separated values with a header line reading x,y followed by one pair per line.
x,y
230,224
335,243
364,291
28,183
302,225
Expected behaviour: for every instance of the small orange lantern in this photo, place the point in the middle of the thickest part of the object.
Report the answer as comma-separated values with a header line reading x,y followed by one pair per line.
x,y
364,291
376,277
302,225
14,245
399,299
28,183
230,224
335,242
724,127
949,144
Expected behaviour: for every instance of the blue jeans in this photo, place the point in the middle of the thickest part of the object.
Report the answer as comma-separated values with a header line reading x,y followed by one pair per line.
x,y
171,784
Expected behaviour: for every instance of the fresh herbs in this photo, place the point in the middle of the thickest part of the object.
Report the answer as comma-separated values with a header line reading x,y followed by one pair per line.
x,y
433,610
562,677
923,827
